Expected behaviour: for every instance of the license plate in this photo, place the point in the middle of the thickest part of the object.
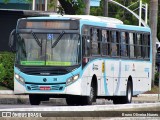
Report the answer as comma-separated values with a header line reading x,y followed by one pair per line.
x,y
45,88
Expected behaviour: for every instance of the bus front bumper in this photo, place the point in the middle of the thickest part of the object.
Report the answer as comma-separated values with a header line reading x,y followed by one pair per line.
x,y
72,89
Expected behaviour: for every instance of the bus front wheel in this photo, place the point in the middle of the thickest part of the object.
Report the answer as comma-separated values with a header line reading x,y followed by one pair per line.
x,y
88,100
34,99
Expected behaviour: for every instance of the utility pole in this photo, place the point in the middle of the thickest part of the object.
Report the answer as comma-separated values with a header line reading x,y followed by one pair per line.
x,y
105,8
46,5
146,13
140,12
34,5
87,7
153,24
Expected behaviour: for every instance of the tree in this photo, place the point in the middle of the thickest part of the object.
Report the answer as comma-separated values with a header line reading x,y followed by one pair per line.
x,y
87,7
71,7
153,24
105,8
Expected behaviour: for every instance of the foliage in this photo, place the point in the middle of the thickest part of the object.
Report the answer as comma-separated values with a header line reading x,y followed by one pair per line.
x,y
118,12
156,81
6,1
2,73
76,5
27,1
6,68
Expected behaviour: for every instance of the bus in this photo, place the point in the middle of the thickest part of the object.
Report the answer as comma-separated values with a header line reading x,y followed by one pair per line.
x,y
80,58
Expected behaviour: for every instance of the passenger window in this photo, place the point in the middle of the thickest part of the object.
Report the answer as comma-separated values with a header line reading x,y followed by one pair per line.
x,y
131,41
139,45
115,43
86,41
123,44
105,43
95,41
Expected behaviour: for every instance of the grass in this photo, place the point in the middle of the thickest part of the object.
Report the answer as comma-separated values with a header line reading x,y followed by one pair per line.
x,y
4,88
154,90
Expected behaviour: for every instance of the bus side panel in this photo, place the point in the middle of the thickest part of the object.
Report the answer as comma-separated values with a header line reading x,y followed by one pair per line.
x,y
120,77
143,77
140,72
109,71
93,68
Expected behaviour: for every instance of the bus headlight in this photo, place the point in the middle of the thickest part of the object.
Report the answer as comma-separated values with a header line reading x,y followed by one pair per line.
x,y
72,79
19,78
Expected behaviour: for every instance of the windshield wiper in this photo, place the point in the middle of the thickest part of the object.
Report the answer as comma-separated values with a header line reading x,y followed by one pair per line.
x,y
35,37
58,39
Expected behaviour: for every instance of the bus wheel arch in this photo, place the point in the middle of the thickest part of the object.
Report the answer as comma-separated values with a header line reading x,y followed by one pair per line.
x,y
129,93
88,100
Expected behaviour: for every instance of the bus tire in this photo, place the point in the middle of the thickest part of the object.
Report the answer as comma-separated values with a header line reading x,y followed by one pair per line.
x,y
71,100
125,99
34,99
129,93
88,100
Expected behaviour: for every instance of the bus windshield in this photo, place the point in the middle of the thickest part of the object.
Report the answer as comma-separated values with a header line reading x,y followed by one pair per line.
x,y
48,49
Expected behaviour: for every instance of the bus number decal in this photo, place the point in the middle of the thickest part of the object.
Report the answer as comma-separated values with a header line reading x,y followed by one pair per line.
x,y
95,67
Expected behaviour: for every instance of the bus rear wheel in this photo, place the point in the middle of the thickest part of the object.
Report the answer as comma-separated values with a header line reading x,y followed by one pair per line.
x,y
34,99
129,93
125,99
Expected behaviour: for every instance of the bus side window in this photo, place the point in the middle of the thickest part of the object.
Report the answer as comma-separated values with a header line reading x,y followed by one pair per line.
x,y
131,41
86,44
123,50
86,41
105,42
95,41
114,48
148,46
135,44
139,45
144,46
127,44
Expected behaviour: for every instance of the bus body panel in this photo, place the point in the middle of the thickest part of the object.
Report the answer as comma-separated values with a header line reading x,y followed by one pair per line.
x,y
113,81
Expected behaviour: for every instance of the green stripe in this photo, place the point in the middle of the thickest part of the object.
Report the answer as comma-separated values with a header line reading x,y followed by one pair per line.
x,y
48,63
32,62
56,63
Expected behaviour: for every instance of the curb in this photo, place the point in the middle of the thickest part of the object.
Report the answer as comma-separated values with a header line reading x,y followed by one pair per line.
x,y
11,92
8,97
148,95
6,92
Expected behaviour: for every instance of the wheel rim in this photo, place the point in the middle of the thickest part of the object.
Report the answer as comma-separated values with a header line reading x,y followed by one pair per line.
x,y
129,93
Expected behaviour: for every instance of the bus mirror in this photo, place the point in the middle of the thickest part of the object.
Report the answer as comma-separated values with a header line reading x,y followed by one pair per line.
x,y
12,40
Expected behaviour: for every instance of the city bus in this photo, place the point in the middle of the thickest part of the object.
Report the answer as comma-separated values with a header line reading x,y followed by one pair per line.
x,y
80,58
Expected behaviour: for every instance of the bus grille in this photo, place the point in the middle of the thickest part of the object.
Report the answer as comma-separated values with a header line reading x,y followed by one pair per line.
x,y
37,87
51,72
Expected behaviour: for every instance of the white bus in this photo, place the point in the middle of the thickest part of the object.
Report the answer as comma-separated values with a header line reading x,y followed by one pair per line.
x,y
81,58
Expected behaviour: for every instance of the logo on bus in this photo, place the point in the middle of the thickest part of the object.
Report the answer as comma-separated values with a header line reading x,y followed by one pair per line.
x,y
95,67
44,80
